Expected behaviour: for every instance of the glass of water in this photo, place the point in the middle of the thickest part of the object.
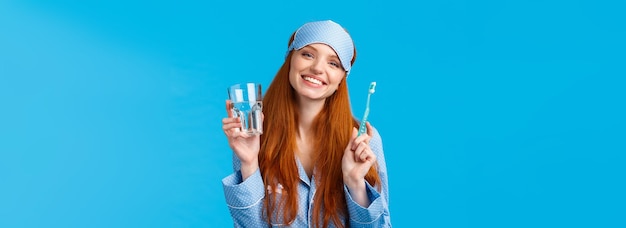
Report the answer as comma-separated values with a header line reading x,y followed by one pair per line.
x,y
247,104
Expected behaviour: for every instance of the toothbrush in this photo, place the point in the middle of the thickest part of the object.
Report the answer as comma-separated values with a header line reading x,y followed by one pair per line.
x,y
362,128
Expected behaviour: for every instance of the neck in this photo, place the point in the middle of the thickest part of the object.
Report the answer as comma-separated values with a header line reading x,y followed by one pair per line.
x,y
308,111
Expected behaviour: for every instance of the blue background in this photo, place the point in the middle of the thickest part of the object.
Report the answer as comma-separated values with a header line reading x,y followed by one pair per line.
x,y
492,113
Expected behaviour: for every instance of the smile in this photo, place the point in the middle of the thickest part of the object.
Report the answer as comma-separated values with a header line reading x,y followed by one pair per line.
x,y
313,80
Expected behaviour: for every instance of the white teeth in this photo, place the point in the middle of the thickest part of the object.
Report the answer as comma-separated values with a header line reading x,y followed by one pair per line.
x,y
313,80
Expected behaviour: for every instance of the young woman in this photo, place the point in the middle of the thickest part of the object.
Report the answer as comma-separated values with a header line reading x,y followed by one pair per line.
x,y
309,168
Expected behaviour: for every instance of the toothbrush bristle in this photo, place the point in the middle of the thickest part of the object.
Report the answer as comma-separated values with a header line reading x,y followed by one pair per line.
x,y
372,87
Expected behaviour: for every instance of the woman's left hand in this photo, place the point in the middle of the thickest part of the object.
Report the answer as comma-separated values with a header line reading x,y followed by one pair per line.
x,y
357,160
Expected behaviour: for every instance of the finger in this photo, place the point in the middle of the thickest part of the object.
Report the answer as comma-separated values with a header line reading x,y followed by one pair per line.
x,y
370,158
228,120
370,131
361,151
229,125
356,144
353,143
228,107
241,134
362,138
367,155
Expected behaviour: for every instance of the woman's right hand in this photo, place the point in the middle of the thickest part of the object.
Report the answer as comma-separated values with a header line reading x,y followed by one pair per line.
x,y
245,146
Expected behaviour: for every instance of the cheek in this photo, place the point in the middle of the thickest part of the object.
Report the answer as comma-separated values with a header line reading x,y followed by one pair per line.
x,y
336,77
296,63
292,77
293,71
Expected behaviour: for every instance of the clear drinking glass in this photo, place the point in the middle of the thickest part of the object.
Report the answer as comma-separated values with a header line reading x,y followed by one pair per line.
x,y
247,104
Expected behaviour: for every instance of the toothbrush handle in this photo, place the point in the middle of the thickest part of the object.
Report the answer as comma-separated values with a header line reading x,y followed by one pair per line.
x,y
362,127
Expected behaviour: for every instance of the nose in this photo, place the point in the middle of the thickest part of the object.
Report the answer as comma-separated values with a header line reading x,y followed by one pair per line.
x,y
317,66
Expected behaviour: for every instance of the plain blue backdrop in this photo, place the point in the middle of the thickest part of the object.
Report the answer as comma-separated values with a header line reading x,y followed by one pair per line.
x,y
492,113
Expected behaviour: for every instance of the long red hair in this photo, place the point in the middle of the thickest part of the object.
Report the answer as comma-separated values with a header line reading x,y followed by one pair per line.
x,y
277,159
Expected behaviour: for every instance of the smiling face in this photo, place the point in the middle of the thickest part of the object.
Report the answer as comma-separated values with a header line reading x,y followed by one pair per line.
x,y
315,71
